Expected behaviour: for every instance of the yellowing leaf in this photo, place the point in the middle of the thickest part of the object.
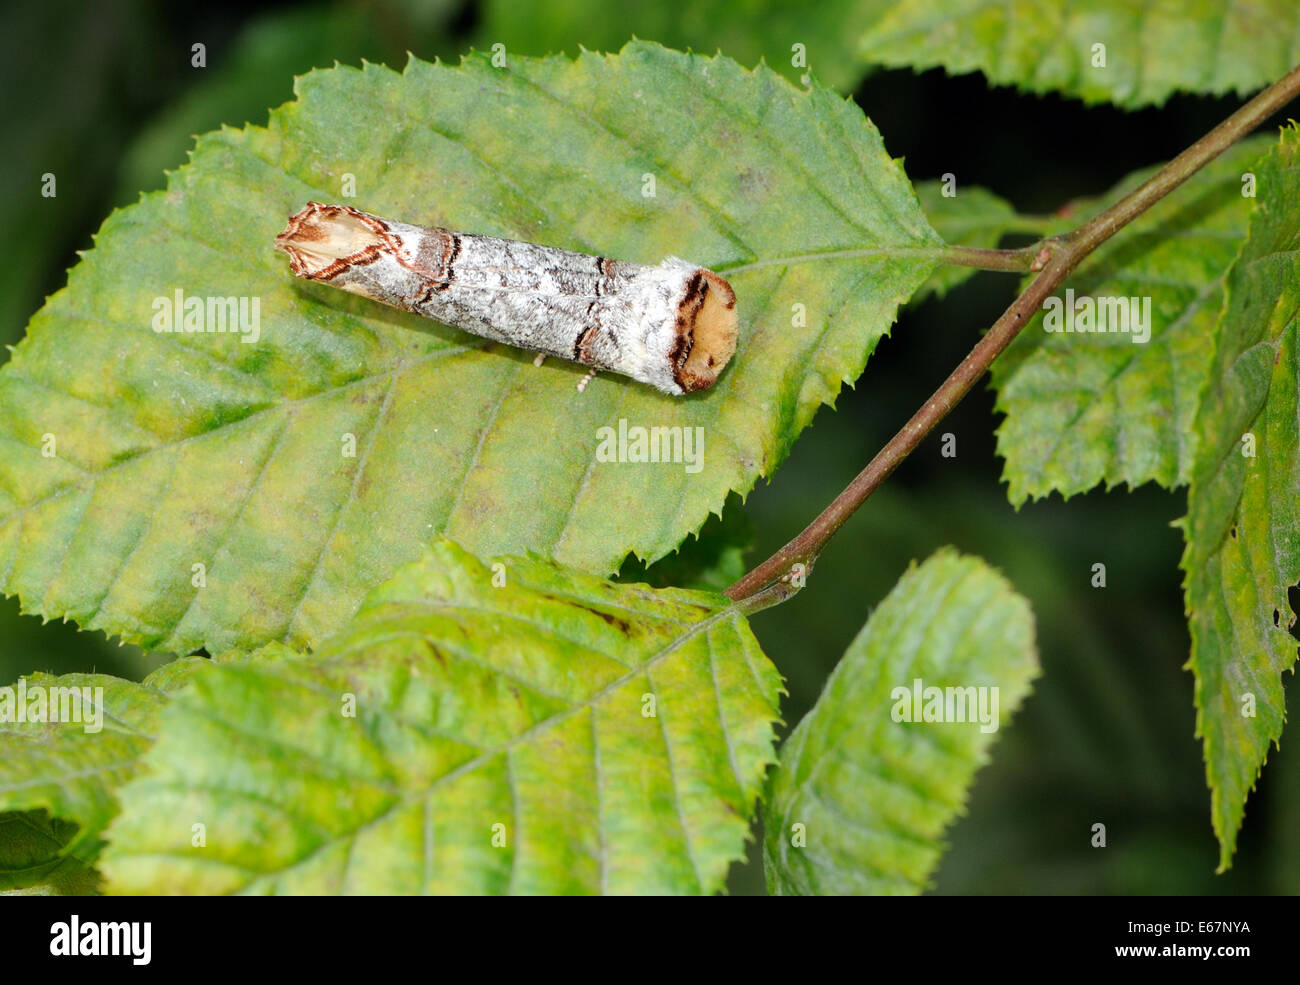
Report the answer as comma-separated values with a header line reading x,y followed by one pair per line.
x,y
519,730
1243,508
73,742
205,489
1130,52
1084,409
868,780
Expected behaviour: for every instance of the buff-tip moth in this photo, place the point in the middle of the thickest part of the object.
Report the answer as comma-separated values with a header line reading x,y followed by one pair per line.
x,y
672,326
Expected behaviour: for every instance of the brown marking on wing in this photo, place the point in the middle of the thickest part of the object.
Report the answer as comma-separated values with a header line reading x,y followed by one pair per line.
x,y
318,223
582,344
706,331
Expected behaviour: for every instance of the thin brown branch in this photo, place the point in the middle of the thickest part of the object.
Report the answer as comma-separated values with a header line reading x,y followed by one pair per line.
x,y
1054,258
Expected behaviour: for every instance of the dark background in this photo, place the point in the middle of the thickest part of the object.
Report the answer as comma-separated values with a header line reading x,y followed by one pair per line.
x,y
103,95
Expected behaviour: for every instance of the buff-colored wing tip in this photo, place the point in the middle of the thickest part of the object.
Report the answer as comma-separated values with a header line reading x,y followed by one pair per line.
x,y
708,330
320,239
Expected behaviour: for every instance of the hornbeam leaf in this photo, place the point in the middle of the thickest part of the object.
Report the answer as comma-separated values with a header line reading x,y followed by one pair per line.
x,y
474,729
1089,408
67,755
1129,52
202,489
781,33
1243,508
1150,50
868,781
34,860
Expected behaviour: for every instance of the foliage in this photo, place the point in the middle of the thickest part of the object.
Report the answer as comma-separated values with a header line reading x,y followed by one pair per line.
x,y
399,543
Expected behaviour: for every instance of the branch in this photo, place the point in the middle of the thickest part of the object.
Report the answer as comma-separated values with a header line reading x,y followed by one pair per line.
x,y
1054,258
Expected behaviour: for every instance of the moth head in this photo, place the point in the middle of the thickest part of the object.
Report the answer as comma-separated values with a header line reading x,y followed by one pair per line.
x,y
322,240
706,331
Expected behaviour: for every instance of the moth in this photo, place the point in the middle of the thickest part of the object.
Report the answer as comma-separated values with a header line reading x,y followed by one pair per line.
x,y
672,326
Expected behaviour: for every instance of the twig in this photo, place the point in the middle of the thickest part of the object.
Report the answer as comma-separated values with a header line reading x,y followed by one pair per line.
x,y
1054,258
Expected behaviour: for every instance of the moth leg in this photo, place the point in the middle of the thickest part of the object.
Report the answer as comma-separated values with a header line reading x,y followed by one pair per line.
x,y
591,375
539,359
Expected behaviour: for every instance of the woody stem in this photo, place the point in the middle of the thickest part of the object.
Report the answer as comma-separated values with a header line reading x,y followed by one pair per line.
x,y
1055,258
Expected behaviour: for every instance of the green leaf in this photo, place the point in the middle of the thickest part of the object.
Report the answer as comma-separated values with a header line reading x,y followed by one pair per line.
x,y
523,705
872,790
1151,50
1243,511
971,216
746,30
72,767
1082,409
34,859
198,449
